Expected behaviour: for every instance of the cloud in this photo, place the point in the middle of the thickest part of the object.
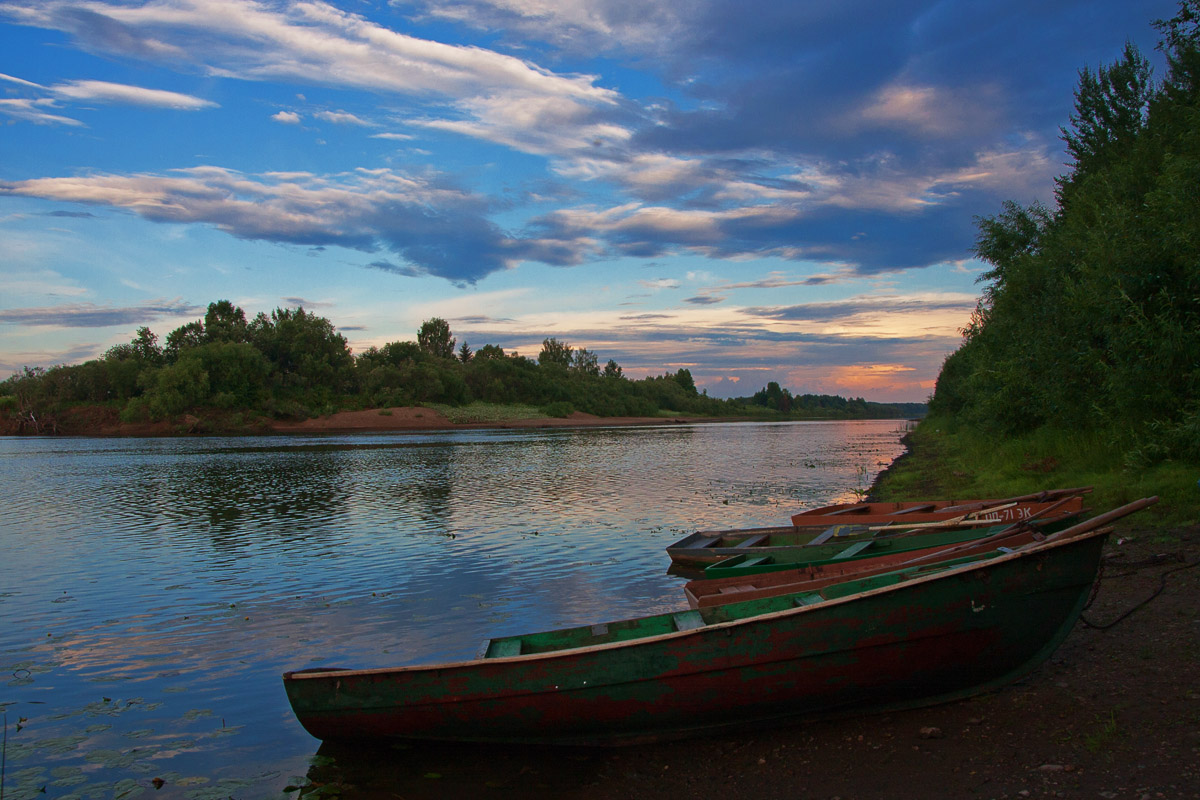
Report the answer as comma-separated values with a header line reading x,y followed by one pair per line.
x,y
35,111
661,283
87,315
407,270
310,43
439,229
575,26
817,131
20,81
704,300
38,283
855,307
70,214
928,111
40,110
341,118
105,92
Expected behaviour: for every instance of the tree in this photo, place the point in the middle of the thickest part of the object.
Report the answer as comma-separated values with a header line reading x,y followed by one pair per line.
x,y
555,352
225,322
145,343
464,353
612,369
307,354
684,378
177,387
236,371
183,338
585,362
1110,109
1181,44
434,338
488,351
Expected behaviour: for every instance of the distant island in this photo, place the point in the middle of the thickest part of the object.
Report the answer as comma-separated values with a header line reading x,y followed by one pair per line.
x,y
292,370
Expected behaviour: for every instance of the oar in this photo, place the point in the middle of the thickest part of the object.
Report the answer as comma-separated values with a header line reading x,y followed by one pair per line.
x,y
1042,496
1104,519
969,518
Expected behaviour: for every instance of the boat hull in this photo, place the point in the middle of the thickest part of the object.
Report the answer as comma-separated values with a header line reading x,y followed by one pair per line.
x,y
705,592
703,548
760,560
929,640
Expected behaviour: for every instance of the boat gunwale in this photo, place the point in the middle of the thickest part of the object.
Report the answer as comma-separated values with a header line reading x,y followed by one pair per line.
x,y
1050,543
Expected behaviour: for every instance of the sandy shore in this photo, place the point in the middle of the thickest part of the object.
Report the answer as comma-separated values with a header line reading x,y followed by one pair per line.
x,y
103,421
418,418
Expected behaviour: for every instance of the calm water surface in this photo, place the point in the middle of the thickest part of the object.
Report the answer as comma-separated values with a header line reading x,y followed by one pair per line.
x,y
153,590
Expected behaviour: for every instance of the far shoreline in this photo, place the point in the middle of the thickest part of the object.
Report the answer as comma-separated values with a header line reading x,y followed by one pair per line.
x,y
102,422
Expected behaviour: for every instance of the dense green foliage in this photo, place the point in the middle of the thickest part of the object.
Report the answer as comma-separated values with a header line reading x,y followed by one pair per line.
x,y
294,364
824,406
946,460
1090,320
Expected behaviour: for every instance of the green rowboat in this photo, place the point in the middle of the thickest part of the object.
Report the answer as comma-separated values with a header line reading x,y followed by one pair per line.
x,y
773,559
850,523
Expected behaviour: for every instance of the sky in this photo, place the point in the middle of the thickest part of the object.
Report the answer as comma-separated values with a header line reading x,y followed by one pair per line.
x,y
774,190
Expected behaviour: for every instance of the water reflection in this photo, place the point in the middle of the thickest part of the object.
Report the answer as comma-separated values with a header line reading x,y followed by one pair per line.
x,y
154,590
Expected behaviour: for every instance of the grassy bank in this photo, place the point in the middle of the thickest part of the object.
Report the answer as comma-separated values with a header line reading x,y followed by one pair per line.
x,y
946,460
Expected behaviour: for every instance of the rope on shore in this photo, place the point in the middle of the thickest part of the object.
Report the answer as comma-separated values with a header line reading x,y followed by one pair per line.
x,y
1162,585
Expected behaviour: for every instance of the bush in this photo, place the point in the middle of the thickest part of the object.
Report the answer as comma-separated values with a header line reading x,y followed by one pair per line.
x,y
560,409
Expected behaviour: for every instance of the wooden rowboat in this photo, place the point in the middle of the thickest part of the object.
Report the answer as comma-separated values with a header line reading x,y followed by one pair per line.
x,y
915,541
931,638
814,577
704,592
845,521
924,511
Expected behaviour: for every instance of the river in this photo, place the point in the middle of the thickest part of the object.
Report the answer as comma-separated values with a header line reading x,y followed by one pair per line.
x,y
152,591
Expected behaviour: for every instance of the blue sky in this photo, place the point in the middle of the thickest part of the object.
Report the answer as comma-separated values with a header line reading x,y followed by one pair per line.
x,y
754,191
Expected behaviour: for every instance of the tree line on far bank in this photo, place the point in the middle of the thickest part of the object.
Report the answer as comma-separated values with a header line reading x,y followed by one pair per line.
x,y
1090,320
293,364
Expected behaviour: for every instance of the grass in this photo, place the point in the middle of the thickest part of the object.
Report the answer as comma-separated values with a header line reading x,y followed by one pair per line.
x,y
487,412
949,462
1106,733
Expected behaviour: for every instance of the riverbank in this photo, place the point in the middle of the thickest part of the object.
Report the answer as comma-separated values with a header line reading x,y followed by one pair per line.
x,y
421,418
103,421
1113,714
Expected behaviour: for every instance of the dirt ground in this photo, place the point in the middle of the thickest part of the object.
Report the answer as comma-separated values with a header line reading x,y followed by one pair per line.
x,y
1113,714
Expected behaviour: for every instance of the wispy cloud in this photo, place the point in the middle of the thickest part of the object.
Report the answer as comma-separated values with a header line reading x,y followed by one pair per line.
x,y
406,270
19,81
106,92
342,118
88,315
41,110
854,307
35,111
